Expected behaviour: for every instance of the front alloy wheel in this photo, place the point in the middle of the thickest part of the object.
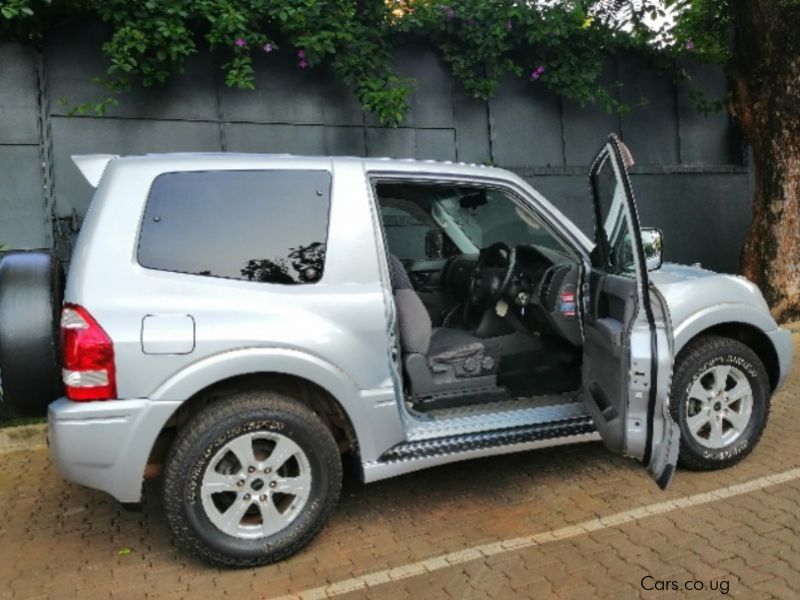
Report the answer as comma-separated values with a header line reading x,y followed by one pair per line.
x,y
720,399
720,405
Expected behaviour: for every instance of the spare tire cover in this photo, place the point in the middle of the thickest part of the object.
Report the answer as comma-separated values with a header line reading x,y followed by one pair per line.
x,y
31,292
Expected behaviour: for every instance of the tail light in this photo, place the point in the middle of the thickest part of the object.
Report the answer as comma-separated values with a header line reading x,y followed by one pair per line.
x,y
87,357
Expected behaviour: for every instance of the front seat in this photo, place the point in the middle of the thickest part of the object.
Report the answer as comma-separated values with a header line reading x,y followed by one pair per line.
x,y
433,357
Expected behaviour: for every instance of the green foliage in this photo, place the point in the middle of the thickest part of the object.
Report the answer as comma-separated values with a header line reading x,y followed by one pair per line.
x,y
561,45
16,9
17,17
704,25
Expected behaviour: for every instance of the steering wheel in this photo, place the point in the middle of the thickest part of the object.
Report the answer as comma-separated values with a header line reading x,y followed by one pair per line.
x,y
488,282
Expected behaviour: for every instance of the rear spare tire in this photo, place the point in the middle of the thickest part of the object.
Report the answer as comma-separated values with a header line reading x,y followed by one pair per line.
x,y
31,292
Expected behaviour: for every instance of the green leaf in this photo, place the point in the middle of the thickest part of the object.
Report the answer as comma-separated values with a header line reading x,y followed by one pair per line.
x,y
124,551
151,39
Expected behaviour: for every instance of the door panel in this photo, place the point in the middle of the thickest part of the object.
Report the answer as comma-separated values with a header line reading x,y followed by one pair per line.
x,y
605,374
627,358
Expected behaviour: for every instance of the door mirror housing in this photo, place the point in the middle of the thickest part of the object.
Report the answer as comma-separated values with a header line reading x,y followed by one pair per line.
x,y
434,244
653,244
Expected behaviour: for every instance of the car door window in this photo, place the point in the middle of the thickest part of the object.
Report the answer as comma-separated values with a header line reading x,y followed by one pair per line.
x,y
274,224
414,236
405,233
615,251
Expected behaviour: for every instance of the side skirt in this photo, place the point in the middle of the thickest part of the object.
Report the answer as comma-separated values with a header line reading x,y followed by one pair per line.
x,y
413,456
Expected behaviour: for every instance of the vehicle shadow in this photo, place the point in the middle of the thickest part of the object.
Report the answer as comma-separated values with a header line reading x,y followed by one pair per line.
x,y
439,502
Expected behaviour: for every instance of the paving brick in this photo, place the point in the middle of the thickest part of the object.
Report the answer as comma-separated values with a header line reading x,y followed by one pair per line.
x,y
744,573
775,588
61,540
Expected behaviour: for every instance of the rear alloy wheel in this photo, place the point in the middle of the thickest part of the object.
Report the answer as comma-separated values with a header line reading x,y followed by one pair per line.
x,y
251,479
256,485
720,398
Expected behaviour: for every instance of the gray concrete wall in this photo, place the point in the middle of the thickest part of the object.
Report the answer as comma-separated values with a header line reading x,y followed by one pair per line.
x,y
22,207
690,177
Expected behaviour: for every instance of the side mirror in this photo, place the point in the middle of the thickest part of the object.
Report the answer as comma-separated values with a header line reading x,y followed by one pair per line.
x,y
434,244
653,243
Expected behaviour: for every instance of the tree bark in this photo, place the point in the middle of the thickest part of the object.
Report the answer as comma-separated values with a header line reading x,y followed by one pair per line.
x,y
765,82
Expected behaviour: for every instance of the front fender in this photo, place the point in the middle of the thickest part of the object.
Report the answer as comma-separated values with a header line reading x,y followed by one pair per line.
x,y
373,413
719,314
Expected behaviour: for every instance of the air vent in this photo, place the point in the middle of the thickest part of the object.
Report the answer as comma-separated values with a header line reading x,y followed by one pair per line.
x,y
551,283
546,281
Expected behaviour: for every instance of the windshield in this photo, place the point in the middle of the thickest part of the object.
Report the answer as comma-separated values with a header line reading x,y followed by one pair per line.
x,y
491,216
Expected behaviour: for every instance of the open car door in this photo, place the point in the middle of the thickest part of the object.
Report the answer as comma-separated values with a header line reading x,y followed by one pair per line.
x,y
627,353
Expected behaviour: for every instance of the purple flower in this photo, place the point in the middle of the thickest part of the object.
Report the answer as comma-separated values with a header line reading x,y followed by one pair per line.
x,y
470,21
301,54
240,42
448,12
690,45
537,72
268,47
302,64
510,25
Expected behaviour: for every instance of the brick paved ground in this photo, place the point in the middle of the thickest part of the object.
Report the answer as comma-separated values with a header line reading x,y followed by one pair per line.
x,y
59,540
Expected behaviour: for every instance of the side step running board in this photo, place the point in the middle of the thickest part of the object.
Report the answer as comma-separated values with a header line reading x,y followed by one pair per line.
x,y
487,439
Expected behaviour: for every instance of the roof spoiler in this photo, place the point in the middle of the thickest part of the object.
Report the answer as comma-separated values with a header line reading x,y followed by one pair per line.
x,y
92,166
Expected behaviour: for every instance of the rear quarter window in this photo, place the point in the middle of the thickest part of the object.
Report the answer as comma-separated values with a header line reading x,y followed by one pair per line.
x,y
266,226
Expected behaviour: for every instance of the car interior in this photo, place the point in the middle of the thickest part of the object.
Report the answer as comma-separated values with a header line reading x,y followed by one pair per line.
x,y
485,297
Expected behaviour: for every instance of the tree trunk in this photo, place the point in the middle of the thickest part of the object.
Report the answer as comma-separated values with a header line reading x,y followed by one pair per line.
x,y
765,83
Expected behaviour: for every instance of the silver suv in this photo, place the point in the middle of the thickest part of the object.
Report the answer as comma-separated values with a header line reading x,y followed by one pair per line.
x,y
240,323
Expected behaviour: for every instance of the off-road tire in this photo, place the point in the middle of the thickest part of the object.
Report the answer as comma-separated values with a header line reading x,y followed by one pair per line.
x,y
198,441
31,293
695,359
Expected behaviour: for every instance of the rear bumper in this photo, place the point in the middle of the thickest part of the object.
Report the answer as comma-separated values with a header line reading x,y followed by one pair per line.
x,y
784,347
105,445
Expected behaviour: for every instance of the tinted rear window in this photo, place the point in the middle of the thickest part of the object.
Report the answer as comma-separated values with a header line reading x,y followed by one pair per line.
x,y
268,226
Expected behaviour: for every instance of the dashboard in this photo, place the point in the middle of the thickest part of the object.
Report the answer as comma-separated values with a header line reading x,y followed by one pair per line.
x,y
542,293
